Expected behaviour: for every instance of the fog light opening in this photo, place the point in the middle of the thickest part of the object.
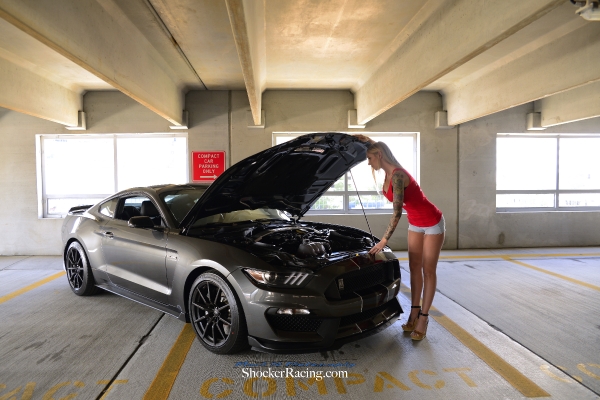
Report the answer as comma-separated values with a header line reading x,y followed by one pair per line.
x,y
293,311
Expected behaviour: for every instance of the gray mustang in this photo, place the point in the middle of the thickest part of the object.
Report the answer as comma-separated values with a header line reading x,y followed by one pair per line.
x,y
234,259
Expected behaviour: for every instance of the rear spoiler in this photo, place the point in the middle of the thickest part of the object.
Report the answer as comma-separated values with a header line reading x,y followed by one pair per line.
x,y
79,209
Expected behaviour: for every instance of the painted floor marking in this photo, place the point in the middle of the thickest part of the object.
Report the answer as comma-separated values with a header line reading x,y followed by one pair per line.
x,y
165,377
511,258
566,278
512,375
516,255
26,289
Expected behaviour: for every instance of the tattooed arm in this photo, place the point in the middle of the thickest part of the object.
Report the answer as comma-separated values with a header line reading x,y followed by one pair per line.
x,y
398,186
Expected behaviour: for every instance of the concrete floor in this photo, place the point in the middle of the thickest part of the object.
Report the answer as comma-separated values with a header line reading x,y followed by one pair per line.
x,y
507,324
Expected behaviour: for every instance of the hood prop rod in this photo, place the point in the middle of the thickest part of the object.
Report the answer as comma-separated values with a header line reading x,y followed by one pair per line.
x,y
361,206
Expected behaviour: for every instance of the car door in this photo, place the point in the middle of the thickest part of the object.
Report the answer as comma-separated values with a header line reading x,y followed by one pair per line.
x,y
136,257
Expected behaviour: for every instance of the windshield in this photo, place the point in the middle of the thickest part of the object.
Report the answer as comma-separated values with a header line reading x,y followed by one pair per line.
x,y
259,214
181,201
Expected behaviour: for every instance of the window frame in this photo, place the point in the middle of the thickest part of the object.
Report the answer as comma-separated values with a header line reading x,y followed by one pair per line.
x,y
122,202
43,198
346,193
115,211
556,192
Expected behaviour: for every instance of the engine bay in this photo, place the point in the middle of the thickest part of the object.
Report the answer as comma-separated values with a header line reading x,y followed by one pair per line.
x,y
305,244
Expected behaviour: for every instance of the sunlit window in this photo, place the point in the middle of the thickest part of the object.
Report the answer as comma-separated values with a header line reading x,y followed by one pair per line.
x,y
357,190
83,169
547,172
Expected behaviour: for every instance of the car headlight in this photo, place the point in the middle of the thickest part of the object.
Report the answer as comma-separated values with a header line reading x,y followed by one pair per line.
x,y
279,279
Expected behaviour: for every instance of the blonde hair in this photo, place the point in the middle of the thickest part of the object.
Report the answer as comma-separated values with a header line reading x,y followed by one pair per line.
x,y
374,147
386,153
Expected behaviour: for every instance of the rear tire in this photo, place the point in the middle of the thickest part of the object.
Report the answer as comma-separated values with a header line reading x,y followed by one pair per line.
x,y
79,272
216,315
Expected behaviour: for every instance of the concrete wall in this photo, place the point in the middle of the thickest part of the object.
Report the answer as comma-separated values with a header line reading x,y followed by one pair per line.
x,y
21,232
219,121
479,226
457,166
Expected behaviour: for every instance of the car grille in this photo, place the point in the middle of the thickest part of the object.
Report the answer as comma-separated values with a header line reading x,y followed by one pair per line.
x,y
362,279
294,323
362,316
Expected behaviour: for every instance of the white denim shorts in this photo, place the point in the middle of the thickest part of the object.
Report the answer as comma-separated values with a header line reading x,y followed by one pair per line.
x,y
437,229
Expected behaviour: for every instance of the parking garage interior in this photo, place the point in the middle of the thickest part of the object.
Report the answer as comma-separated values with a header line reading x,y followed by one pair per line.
x,y
518,286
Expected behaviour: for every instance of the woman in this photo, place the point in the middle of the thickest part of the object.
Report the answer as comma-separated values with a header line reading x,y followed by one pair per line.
x,y
426,231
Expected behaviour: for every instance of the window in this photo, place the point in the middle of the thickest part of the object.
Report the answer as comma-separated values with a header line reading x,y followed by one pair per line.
x,y
136,206
181,201
547,172
357,189
108,208
83,169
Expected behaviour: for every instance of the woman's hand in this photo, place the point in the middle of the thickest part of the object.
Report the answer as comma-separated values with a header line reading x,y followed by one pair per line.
x,y
378,247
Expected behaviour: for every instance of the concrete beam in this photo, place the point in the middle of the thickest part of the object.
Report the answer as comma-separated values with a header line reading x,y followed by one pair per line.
x,y
570,106
97,36
567,62
456,32
29,93
534,121
247,22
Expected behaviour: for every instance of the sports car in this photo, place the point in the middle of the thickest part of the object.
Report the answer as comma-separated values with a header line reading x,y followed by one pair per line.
x,y
235,259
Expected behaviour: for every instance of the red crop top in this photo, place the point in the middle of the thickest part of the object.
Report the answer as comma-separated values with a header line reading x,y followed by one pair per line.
x,y
419,210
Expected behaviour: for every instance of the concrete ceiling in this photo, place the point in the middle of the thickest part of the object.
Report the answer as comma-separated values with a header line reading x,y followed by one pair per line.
x,y
482,56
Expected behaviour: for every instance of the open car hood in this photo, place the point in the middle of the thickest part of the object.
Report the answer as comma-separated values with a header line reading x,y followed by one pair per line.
x,y
288,177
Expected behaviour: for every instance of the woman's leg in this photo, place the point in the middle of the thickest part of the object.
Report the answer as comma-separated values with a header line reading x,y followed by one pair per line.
x,y
432,246
415,264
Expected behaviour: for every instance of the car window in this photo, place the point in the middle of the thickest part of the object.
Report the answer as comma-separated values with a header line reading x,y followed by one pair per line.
x,y
108,208
181,201
136,206
259,214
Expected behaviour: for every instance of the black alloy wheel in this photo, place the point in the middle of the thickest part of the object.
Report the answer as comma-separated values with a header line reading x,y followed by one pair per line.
x,y
79,273
216,316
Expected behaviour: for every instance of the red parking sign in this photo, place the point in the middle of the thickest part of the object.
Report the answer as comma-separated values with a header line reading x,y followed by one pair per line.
x,y
207,165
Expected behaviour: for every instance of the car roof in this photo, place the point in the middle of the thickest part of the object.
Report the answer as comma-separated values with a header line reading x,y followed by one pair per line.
x,y
154,190
170,187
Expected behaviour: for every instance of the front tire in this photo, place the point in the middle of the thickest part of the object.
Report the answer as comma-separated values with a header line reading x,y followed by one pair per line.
x,y
216,315
79,272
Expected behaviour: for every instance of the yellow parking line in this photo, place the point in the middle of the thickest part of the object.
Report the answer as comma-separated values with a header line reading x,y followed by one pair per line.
x,y
519,381
524,255
30,287
515,378
511,258
165,378
566,278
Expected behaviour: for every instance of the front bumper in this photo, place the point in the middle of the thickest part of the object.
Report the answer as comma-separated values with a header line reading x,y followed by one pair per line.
x,y
347,301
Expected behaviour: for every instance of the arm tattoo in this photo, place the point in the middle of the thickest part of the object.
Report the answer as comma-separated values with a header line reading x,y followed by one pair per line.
x,y
398,185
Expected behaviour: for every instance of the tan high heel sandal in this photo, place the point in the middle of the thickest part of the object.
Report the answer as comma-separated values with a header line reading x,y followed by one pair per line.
x,y
409,326
416,335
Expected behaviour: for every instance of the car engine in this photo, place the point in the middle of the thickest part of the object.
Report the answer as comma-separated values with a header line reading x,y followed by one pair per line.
x,y
306,244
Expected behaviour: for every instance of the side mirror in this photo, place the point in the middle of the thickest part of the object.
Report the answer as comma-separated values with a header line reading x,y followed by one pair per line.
x,y
140,222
